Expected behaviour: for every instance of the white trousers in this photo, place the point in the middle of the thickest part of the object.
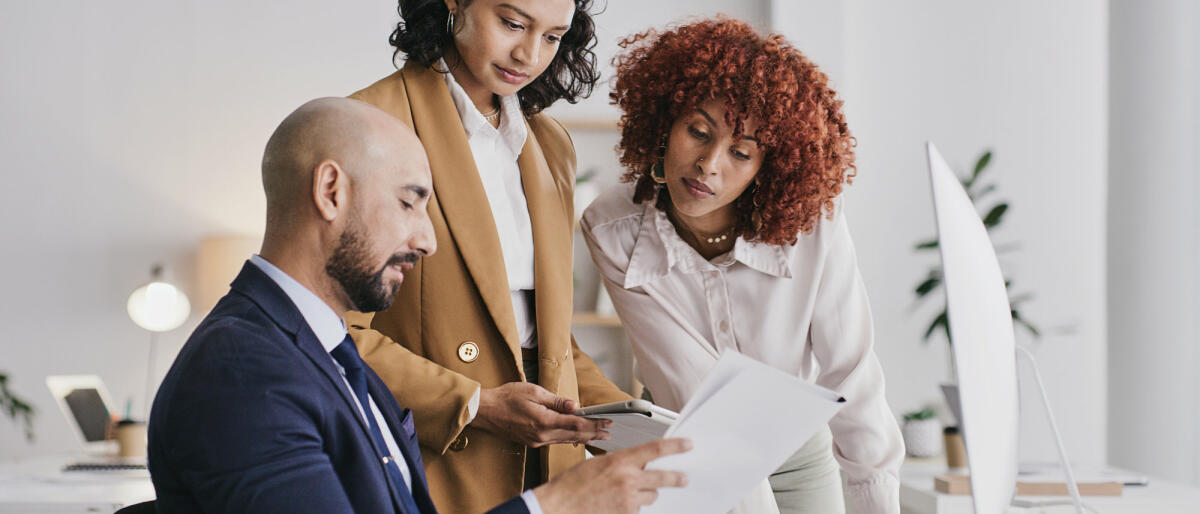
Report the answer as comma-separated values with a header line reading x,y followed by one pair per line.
x,y
809,482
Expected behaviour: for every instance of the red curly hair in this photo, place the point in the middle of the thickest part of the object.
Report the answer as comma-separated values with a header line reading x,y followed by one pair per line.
x,y
809,149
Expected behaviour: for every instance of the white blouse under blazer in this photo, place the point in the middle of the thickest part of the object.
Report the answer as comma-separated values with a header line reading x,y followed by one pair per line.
x,y
801,308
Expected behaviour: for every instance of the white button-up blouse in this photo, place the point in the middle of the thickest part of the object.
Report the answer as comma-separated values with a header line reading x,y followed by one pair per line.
x,y
496,150
801,308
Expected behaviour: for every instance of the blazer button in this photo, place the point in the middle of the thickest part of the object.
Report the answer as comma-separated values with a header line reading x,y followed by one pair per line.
x,y
468,351
460,443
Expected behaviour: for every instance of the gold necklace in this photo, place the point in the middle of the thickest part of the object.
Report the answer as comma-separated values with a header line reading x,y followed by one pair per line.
x,y
492,115
715,239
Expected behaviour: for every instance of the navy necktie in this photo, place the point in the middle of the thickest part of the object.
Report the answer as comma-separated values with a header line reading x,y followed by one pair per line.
x,y
346,354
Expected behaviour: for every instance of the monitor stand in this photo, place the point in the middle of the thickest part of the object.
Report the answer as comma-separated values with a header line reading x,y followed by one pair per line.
x,y
1072,486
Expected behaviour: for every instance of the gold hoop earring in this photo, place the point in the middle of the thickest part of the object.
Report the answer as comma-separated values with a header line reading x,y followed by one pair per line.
x,y
450,23
656,170
657,173
756,212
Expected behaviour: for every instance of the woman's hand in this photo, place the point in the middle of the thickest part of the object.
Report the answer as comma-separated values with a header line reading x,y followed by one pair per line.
x,y
531,415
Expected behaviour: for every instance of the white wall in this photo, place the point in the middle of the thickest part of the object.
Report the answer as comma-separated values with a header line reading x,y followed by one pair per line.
x,y
1154,239
132,129
1026,79
621,18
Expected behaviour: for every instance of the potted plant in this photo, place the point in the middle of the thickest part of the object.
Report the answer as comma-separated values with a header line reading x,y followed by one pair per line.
x,y
976,189
16,408
922,433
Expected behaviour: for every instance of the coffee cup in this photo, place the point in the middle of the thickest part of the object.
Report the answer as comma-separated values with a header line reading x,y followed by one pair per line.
x,y
131,438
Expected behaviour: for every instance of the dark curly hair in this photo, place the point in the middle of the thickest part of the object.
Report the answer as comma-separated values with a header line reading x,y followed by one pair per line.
x,y
421,35
809,149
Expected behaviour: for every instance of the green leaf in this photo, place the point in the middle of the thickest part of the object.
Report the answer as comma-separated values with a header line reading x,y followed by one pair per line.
x,y
1018,320
981,164
919,415
927,245
995,215
928,285
584,177
983,192
943,321
1019,299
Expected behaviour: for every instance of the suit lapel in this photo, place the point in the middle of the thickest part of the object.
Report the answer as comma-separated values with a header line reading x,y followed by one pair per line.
x,y
263,291
257,286
312,348
551,256
400,423
460,194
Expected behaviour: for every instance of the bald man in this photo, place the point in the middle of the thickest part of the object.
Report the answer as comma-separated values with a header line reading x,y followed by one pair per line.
x,y
268,407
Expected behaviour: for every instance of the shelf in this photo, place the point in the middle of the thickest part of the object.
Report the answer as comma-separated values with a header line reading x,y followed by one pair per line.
x,y
605,124
591,319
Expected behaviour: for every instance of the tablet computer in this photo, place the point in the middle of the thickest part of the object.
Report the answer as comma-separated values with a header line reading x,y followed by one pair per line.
x,y
634,422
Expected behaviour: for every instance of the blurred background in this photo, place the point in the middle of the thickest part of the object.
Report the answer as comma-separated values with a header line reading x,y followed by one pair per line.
x,y
132,132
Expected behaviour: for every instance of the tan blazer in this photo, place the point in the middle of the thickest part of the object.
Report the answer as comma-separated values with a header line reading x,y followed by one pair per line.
x,y
453,317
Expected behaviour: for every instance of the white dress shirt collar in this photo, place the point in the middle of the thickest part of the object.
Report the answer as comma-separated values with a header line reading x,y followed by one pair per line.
x,y
659,248
511,132
324,322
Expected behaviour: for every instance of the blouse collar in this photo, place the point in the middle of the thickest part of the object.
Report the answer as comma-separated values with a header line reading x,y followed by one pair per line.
x,y
659,248
511,132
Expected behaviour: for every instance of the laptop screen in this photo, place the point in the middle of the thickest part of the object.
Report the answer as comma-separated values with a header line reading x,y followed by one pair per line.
x,y
89,411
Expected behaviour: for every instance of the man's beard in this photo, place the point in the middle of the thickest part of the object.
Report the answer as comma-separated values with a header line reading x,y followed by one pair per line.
x,y
350,266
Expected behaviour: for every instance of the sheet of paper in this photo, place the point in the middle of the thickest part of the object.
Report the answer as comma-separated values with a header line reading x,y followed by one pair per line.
x,y
745,420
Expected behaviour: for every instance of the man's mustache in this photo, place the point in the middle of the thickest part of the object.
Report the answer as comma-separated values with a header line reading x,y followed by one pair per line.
x,y
403,258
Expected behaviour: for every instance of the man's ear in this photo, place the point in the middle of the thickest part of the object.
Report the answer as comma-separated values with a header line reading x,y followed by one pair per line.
x,y
331,189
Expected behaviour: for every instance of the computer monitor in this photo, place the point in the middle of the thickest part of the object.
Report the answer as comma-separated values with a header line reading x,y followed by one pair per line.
x,y
984,348
84,401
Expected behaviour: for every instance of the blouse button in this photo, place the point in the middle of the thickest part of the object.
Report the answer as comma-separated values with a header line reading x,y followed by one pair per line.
x,y
723,326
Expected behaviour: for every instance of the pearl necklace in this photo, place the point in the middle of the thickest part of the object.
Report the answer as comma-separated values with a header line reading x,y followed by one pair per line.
x,y
714,239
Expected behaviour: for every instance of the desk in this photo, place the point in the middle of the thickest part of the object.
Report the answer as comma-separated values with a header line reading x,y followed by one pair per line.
x,y
39,486
1159,497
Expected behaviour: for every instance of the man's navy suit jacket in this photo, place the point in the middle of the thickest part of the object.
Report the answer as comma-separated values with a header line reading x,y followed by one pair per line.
x,y
254,416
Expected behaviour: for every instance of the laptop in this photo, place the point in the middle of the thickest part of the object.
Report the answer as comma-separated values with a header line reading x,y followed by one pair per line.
x,y
84,401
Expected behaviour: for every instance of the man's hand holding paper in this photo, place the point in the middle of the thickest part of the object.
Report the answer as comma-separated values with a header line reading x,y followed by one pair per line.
x,y
744,420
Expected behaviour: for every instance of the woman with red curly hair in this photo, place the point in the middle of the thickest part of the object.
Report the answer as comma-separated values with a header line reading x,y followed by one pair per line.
x,y
731,236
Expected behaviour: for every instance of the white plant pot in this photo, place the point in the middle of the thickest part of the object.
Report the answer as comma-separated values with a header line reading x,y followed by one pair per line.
x,y
923,437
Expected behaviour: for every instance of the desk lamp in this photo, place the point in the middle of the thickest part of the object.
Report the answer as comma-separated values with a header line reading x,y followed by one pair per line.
x,y
158,307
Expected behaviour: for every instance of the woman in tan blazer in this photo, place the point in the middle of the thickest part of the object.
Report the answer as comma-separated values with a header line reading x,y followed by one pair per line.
x,y
460,343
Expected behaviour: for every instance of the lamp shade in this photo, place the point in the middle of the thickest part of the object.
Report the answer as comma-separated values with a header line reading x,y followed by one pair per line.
x,y
158,307
218,261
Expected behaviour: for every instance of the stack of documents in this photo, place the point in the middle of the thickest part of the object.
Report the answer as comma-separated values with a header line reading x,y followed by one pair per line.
x,y
744,420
